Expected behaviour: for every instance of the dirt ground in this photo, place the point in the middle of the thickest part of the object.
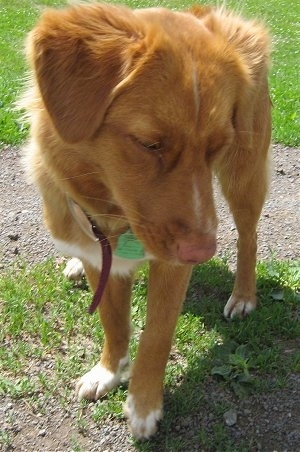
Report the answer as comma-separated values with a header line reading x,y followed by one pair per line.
x,y
269,422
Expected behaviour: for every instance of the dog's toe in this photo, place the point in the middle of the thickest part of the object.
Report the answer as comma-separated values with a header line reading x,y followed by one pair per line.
x,y
239,307
96,383
74,269
141,427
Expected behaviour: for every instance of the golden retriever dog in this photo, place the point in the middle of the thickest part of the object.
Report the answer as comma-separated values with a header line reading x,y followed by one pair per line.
x,y
132,112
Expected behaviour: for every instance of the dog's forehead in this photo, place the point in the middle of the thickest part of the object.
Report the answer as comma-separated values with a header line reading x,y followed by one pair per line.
x,y
191,65
170,98
166,100
181,83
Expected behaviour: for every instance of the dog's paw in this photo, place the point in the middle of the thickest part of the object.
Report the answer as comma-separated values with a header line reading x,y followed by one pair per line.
x,y
142,427
74,269
96,383
236,307
99,380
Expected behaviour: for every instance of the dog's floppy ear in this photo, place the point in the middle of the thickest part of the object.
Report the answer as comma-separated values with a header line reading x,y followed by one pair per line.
x,y
251,43
78,56
247,43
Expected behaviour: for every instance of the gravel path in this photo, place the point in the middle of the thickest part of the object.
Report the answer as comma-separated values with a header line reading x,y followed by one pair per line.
x,y
269,422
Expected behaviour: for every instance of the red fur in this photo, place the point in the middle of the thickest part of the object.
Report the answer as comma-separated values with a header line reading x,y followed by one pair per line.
x,y
132,111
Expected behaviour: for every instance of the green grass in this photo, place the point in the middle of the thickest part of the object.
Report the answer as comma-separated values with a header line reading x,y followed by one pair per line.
x,y
44,325
16,19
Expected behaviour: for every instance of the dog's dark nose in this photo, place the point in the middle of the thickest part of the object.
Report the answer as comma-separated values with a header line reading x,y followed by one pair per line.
x,y
196,252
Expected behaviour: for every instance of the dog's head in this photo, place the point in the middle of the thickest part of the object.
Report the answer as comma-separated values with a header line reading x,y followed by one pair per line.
x,y
149,100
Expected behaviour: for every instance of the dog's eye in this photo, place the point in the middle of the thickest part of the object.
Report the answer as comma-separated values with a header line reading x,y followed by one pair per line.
x,y
154,147
149,146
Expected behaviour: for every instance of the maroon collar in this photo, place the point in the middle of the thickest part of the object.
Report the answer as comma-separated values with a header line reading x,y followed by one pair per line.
x,y
89,227
106,265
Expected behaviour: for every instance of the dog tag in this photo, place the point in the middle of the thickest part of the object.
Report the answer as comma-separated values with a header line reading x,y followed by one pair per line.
x,y
129,247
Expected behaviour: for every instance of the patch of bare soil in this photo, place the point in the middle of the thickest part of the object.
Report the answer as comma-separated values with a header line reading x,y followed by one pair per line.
x,y
268,422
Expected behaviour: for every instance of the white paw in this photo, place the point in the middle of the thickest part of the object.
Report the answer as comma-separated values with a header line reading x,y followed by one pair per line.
x,y
141,427
99,380
74,269
237,308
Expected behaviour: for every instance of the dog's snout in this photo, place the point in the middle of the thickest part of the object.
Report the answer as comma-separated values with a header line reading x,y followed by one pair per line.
x,y
198,251
190,244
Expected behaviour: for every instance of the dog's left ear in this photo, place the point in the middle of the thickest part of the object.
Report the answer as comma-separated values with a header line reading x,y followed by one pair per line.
x,y
252,44
79,55
249,44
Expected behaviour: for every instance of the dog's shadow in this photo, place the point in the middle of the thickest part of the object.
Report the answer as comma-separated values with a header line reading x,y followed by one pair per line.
x,y
195,399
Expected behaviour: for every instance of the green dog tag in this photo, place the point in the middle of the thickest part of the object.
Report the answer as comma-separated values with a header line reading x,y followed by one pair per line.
x,y
129,247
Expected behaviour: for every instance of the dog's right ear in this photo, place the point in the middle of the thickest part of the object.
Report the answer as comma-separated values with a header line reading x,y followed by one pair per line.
x,y
78,56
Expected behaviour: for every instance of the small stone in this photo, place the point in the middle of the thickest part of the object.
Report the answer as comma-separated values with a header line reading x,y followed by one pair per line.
x,y
42,432
8,407
294,436
230,417
13,236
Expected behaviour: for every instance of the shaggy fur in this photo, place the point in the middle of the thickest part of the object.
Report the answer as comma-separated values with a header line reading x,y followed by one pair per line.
x,y
131,113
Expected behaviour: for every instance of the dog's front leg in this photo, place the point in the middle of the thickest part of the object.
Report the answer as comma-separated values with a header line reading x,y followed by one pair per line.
x,y
243,298
115,318
166,292
246,202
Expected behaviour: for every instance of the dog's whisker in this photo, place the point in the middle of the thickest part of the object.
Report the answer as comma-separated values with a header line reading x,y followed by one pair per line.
x,y
96,198
121,218
110,215
117,216
77,176
132,212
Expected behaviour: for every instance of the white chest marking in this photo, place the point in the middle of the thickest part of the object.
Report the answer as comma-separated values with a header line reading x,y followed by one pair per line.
x,y
92,254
